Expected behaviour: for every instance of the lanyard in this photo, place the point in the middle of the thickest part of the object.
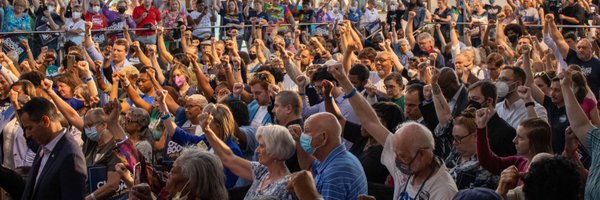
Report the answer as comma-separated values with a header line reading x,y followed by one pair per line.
x,y
404,195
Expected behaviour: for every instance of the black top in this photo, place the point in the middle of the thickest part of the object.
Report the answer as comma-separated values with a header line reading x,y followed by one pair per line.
x,y
591,69
369,158
557,117
501,136
292,163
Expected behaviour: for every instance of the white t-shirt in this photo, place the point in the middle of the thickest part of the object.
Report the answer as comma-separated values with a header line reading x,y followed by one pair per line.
x,y
204,22
75,38
440,186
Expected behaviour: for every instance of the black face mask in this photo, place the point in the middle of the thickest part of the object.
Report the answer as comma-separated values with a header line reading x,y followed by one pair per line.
x,y
252,56
122,10
513,38
474,104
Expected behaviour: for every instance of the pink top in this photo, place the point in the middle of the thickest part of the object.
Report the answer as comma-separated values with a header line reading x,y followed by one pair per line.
x,y
588,104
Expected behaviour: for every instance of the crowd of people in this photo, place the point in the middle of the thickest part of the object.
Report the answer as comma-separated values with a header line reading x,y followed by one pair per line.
x,y
340,100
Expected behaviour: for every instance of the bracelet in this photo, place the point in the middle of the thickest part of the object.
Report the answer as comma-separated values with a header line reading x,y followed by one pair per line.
x,y
347,96
328,97
87,79
529,104
302,94
167,116
93,196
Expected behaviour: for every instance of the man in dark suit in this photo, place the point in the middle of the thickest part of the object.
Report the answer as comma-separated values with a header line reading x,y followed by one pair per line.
x,y
59,170
502,134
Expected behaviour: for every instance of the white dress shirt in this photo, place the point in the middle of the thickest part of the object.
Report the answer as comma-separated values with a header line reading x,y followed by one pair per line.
x,y
46,152
517,112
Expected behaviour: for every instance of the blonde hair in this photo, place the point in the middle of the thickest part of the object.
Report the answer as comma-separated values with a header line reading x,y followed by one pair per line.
x,y
222,116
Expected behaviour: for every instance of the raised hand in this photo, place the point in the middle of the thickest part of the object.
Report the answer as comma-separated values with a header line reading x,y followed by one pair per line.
x,y
296,131
509,178
337,71
205,120
302,81
46,85
371,89
161,96
525,93
565,79
482,116
327,87
273,90
222,95
571,141
113,110
412,14
238,88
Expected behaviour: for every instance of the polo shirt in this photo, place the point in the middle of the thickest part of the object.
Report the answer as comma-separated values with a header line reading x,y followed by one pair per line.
x,y
340,175
558,120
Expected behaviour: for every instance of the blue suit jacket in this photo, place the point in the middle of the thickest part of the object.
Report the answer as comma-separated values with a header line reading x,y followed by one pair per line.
x,y
63,176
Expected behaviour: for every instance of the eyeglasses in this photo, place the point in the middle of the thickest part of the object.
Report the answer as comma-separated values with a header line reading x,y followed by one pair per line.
x,y
458,140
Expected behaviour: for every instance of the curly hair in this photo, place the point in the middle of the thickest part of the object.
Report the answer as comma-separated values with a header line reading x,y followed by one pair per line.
x,y
552,178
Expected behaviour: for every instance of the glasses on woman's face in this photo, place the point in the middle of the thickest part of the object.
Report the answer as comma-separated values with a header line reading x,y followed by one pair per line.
x,y
459,139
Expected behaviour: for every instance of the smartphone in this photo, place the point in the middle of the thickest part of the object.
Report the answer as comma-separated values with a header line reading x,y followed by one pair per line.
x,y
70,61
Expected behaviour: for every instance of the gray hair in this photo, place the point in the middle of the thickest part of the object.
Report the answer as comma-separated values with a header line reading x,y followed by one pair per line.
x,y
205,174
424,35
198,98
139,115
424,138
278,140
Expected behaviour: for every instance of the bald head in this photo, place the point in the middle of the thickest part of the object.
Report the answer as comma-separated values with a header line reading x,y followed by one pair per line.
x,y
325,122
413,136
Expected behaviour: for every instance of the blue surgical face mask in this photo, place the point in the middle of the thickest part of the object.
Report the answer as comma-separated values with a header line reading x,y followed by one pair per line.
x,y
92,133
288,42
306,143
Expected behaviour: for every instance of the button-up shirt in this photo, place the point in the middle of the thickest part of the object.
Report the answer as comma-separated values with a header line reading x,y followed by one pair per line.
x,y
517,112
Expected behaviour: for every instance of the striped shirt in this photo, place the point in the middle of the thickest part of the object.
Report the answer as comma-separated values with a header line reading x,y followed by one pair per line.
x,y
340,176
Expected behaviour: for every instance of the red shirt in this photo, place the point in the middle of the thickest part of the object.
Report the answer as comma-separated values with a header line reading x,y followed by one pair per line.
x,y
99,21
153,18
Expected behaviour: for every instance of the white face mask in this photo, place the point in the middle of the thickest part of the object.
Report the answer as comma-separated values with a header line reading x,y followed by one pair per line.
x,y
502,89
178,194
76,15
51,9
96,9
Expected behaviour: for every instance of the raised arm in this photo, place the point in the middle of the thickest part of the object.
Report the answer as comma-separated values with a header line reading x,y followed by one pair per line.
x,y
203,82
580,124
368,118
68,112
442,109
536,92
84,68
162,48
558,38
237,165
409,31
